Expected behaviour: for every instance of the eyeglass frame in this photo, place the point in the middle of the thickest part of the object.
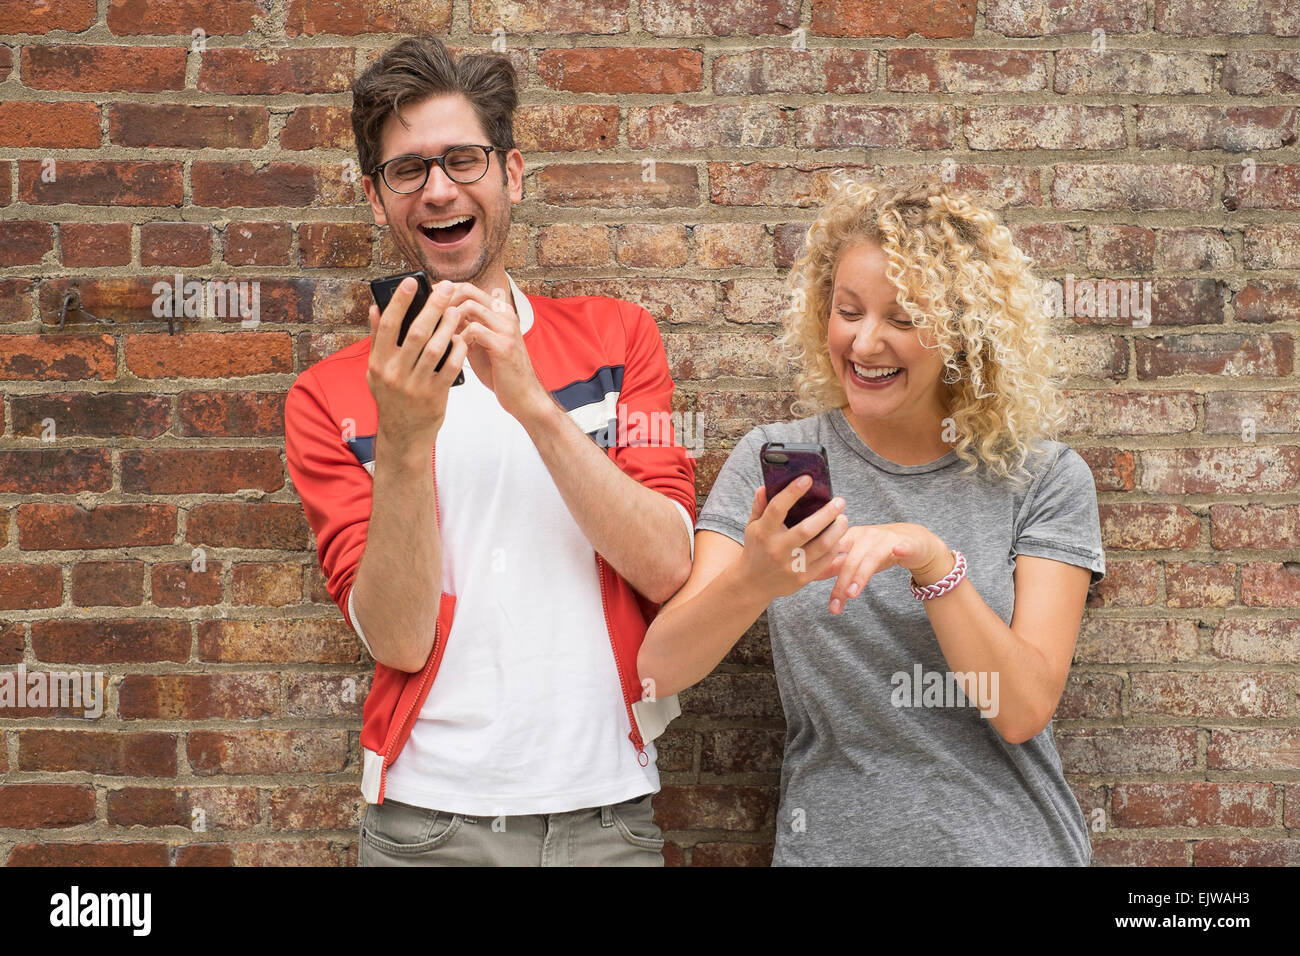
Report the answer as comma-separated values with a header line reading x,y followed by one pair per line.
x,y
428,161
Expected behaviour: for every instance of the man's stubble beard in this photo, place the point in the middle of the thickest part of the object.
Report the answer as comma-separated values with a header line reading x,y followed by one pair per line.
x,y
493,244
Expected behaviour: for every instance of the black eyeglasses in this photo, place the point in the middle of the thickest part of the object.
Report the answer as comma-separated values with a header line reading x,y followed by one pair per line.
x,y
408,173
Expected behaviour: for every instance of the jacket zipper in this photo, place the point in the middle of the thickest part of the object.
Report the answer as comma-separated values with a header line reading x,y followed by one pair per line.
x,y
635,735
433,652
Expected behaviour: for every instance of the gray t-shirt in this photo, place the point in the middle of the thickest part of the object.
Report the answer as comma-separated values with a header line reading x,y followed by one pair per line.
x,y
877,769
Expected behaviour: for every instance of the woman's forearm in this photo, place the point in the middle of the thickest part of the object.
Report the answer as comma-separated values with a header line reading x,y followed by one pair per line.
x,y
685,643
975,640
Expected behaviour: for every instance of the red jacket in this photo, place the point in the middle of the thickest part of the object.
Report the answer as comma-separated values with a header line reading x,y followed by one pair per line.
x,y
593,354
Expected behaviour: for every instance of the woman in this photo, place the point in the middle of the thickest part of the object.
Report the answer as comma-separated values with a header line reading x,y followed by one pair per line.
x,y
918,721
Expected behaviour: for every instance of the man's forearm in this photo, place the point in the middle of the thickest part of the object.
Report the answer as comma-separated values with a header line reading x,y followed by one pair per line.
x,y
398,586
636,529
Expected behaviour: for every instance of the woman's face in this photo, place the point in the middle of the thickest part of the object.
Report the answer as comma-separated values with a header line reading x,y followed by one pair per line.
x,y
869,332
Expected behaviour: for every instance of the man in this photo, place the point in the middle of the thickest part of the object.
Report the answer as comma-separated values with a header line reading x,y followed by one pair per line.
x,y
498,546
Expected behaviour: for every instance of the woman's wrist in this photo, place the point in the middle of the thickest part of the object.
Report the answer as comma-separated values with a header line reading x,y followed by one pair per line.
x,y
937,568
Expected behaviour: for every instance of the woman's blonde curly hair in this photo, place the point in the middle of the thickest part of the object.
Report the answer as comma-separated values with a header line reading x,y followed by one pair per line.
x,y
958,275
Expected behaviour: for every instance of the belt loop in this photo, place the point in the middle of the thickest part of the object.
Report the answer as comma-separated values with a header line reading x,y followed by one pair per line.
x,y
606,816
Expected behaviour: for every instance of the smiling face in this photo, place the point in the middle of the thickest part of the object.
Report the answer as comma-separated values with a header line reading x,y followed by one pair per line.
x,y
470,251
868,334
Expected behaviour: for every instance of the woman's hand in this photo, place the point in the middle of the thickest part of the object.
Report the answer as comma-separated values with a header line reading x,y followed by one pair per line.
x,y
780,560
874,547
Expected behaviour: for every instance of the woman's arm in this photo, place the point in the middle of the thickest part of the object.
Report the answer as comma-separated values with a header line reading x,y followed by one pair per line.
x,y
731,585
1030,658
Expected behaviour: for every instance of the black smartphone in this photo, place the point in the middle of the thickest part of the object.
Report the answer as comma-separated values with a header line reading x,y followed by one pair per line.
x,y
383,289
782,463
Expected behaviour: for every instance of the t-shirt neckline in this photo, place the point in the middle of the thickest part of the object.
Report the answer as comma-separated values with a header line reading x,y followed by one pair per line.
x,y
854,441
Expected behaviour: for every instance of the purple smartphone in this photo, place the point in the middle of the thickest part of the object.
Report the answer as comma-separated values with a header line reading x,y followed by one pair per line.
x,y
782,463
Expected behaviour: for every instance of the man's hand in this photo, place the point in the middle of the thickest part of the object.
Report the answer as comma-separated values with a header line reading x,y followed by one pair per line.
x,y
490,329
410,396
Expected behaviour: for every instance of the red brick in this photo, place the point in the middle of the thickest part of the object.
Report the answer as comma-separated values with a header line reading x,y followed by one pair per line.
x,y
1139,853
199,696
355,17
1237,129
26,243
965,71
573,244
838,126
108,583
113,752
1130,527
33,806
1234,695
1116,247
1113,469
1274,186
89,854
1260,72
175,471
621,70
330,127
98,414
1267,300
266,584
1105,412
561,127
261,71
1045,127
1197,248
1206,471
208,354
650,245
280,640
1256,750
537,16
188,127
258,243
316,808
328,695
266,751
224,808
335,245
1127,750
1246,852
617,185
235,524
774,70
1194,804
55,470
27,586
1272,247
932,20
1016,18
95,243
745,750
1227,355
15,298
681,300
177,584
150,17
51,527
239,184
1195,584
101,183
1090,696
261,854
61,125
1136,72
1197,18
1254,526
222,414
1116,640
732,854
44,16
111,640
1270,584
103,68
1132,186
175,244
702,807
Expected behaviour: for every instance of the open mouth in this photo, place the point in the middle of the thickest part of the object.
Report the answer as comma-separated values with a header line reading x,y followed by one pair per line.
x,y
448,232
873,378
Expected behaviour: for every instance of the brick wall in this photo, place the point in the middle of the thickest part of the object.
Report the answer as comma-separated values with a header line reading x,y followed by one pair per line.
x,y
148,530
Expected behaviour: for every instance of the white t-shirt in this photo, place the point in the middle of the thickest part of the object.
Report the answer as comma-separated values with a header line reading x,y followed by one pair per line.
x,y
526,714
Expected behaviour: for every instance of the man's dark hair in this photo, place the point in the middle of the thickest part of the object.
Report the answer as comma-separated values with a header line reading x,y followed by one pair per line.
x,y
419,67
